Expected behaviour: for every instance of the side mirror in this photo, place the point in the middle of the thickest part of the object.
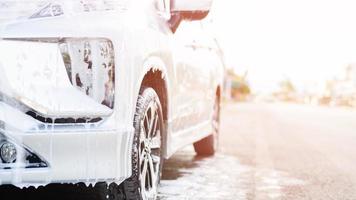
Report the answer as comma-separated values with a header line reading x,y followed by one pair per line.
x,y
188,10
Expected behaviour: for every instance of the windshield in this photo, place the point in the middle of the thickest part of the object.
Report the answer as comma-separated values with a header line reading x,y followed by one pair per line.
x,y
27,9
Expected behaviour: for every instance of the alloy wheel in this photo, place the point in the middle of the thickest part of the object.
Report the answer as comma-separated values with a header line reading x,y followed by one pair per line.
x,y
150,152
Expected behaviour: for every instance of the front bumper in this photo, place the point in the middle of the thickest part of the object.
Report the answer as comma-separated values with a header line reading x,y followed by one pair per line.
x,y
74,153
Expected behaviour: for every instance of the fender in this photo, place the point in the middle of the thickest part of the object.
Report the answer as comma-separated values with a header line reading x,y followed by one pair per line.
x,y
155,63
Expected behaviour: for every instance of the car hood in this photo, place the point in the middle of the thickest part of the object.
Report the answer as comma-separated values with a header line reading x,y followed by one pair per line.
x,y
98,24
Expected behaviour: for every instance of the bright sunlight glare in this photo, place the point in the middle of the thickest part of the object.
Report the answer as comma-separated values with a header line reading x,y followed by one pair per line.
x,y
307,41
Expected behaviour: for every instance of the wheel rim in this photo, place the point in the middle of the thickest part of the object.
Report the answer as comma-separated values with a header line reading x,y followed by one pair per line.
x,y
150,154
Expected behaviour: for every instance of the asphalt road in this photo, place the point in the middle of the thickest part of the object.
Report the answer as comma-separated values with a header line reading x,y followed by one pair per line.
x,y
271,151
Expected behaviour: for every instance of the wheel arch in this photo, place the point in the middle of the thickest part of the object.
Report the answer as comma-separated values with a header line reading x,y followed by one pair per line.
x,y
155,76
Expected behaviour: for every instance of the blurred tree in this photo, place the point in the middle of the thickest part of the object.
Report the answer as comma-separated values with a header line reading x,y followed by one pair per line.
x,y
287,86
239,85
287,91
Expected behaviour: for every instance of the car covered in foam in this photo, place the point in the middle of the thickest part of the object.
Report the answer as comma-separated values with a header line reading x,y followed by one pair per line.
x,y
104,92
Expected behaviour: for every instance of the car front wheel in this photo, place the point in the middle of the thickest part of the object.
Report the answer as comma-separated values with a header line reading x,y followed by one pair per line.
x,y
146,149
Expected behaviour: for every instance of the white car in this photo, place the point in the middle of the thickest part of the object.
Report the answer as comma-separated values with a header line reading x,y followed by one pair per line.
x,y
104,92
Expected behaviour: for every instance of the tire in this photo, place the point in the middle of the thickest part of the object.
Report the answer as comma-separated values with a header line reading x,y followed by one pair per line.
x,y
103,191
147,159
209,145
79,191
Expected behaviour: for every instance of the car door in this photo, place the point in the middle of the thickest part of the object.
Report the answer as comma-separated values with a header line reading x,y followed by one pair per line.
x,y
192,73
208,63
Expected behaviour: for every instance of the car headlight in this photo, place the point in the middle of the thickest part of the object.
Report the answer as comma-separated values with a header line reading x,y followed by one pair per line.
x,y
66,80
90,66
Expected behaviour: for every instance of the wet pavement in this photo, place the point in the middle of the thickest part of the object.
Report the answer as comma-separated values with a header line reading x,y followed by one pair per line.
x,y
221,177
189,177
271,151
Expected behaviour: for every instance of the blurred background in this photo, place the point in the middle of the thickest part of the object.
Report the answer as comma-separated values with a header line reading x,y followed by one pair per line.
x,y
301,51
288,119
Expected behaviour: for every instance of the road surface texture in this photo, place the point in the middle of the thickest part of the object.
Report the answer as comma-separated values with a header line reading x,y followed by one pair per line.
x,y
271,151
268,151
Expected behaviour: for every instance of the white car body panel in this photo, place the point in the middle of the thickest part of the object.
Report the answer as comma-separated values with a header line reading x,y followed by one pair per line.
x,y
101,151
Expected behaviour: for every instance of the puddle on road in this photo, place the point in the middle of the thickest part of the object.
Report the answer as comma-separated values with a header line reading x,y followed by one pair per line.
x,y
222,177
